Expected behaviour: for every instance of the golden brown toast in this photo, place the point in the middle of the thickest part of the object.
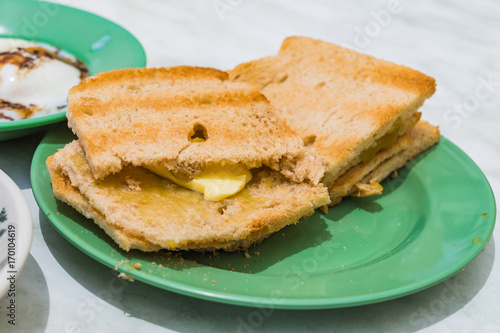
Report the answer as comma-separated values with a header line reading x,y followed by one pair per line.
x,y
140,210
341,102
184,118
64,191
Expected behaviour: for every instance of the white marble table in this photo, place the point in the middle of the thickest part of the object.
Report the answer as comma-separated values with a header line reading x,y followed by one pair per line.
x,y
457,42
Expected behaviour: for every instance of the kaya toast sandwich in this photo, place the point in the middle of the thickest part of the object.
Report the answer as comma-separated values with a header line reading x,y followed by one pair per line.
x,y
135,126
358,113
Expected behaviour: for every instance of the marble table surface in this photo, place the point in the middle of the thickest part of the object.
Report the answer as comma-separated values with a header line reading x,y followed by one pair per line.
x,y
456,42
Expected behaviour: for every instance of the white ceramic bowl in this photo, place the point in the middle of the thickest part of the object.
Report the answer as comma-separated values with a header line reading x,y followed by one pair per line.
x,y
16,233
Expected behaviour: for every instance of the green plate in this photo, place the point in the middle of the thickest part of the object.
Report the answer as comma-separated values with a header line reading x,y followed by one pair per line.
x,y
100,44
431,221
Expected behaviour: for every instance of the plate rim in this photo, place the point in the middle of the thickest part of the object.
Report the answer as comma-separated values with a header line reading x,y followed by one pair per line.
x,y
291,303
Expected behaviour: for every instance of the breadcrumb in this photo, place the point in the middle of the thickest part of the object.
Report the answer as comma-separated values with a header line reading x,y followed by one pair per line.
x,y
126,277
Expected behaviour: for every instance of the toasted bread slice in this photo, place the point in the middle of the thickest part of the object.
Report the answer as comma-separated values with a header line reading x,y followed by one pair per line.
x,y
140,210
64,191
184,118
341,102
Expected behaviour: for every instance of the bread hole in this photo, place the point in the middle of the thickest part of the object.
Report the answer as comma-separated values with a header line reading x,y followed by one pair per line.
x,y
222,209
88,112
198,134
270,205
309,140
237,77
320,85
283,79
133,87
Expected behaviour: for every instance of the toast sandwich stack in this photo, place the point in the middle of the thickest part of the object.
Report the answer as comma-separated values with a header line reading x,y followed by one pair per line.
x,y
359,114
136,125
189,158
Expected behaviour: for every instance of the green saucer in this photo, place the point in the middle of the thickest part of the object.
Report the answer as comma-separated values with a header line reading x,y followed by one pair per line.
x,y
102,45
431,221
